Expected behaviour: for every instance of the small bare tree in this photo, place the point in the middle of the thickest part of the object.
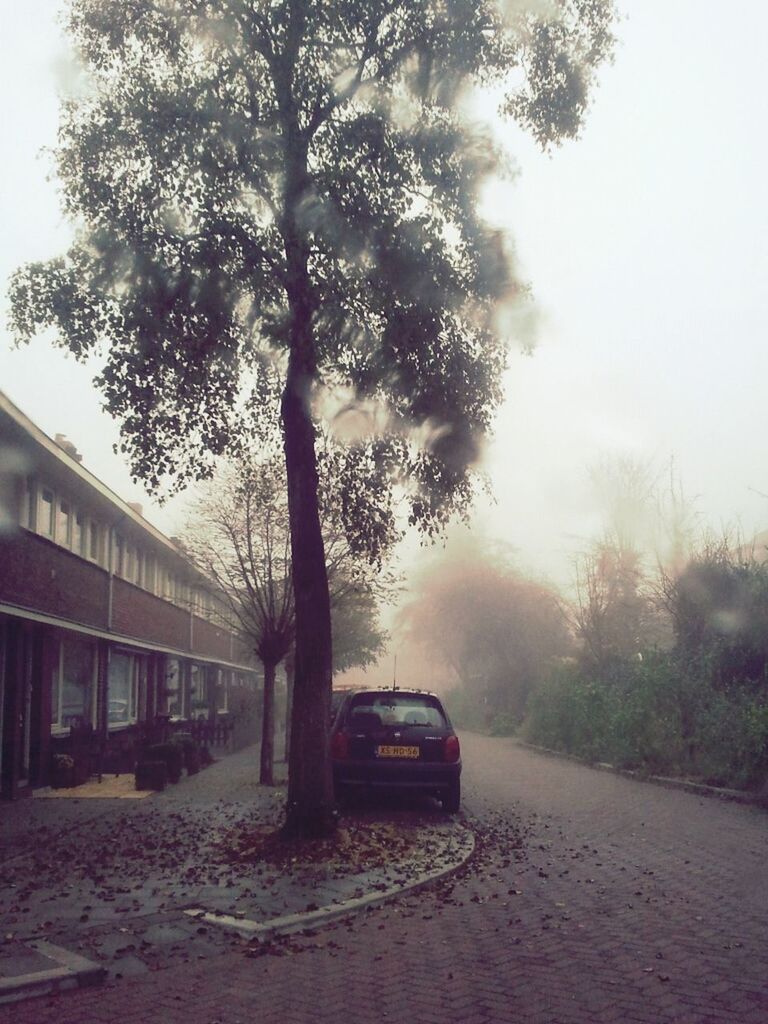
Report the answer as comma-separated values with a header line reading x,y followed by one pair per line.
x,y
238,534
614,614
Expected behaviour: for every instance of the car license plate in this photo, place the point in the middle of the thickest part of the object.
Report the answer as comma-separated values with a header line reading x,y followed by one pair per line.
x,y
388,751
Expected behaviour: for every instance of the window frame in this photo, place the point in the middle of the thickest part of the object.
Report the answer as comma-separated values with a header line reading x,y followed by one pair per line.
x,y
222,691
43,514
178,690
137,675
57,687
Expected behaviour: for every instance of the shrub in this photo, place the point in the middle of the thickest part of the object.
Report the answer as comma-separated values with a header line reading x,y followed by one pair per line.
x,y
503,723
656,715
631,719
191,752
732,740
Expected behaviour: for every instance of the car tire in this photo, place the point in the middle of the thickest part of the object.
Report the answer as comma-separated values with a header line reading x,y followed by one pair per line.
x,y
341,793
451,797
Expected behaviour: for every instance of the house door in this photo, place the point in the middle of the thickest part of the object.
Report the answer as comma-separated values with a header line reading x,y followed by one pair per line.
x,y
16,668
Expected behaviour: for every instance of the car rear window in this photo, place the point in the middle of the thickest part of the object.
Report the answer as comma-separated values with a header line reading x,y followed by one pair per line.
x,y
370,710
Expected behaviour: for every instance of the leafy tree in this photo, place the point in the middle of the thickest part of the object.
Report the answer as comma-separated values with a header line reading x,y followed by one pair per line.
x,y
294,182
358,639
719,609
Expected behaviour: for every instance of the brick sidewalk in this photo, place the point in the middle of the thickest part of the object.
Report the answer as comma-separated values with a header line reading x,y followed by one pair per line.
x,y
116,880
593,900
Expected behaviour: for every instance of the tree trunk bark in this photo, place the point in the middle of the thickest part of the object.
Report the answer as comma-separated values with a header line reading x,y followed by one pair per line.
x,y
288,704
311,809
267,758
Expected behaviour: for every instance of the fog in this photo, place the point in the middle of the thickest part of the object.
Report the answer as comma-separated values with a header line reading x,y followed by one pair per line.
x,y
644,247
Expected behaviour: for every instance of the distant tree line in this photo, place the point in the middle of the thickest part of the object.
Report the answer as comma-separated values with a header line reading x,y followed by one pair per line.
x,y
657,662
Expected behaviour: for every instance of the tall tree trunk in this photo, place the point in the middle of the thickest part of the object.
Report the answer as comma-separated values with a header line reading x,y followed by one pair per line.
x,y
267,758
310,810
289,670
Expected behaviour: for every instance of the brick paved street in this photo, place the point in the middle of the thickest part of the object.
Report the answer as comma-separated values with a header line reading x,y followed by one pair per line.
x,y
593,898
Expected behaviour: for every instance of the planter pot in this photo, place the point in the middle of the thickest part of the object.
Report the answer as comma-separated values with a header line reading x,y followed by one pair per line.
x,y
63,778
172,756
151,775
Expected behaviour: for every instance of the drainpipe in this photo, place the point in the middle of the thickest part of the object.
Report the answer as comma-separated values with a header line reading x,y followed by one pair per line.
x,y
111,571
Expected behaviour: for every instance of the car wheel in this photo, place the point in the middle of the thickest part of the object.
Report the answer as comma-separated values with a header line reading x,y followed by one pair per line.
x,y
451,798
341,793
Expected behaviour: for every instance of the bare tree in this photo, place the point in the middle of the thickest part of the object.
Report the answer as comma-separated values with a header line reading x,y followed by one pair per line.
x,y
238,533
614,612
239,536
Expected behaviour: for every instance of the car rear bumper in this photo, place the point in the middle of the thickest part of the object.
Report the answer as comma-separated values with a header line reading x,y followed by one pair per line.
x,y
396,774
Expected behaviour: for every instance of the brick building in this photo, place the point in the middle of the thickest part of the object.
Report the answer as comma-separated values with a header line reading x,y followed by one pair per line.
x,y
106,629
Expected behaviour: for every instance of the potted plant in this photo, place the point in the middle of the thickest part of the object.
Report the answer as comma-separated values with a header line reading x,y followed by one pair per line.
x,y
62,771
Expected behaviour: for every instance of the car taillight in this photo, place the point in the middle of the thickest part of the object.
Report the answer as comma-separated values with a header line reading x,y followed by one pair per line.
x,y
339,746
451,751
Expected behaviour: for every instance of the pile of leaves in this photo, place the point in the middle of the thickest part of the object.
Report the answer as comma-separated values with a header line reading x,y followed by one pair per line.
x,y
359,844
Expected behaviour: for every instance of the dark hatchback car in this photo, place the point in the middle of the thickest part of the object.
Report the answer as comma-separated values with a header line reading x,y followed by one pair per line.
x,y
396,739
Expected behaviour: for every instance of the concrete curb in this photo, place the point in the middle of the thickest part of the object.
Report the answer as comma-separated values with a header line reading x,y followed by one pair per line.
x,y
291,923
73,971
697,788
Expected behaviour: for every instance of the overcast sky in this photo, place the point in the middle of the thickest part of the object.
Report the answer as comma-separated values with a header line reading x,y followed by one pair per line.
x,y
645,243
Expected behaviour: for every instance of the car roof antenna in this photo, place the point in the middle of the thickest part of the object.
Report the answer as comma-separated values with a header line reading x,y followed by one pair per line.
x,y
394,675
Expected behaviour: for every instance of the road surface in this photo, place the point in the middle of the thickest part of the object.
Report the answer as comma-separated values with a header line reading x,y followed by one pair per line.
x,y
593,899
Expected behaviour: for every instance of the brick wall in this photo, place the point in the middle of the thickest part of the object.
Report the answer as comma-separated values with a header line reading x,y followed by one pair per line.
x,y
40,575
139,614
210,640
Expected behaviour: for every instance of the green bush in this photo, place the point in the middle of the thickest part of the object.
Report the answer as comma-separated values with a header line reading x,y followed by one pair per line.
x,y
191,752
657,716
732,740
503,723
630,719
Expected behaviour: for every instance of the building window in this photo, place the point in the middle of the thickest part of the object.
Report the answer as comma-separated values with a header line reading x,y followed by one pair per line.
x,y
198,692
93,544
118,555
174,693
63,522
78,533
73,684
222,691
45,507
123,689
27,504
129,563
149,573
